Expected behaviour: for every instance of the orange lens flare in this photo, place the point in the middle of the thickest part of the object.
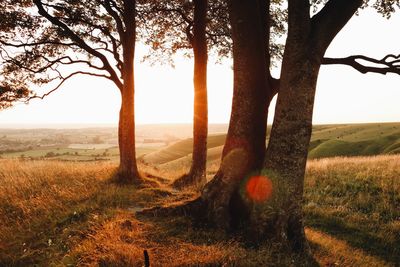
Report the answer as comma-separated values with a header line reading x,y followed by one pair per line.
x,y
259,188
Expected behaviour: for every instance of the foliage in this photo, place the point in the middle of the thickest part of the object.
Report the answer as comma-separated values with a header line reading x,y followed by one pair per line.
x,y
48,42
167,28
44,43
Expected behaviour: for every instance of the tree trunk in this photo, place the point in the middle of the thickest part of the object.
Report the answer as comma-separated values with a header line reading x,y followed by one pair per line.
x,y
281,217
128,171
244,147
197,173
288,148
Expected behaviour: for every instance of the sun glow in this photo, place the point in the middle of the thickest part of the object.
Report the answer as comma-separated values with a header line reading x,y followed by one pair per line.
x,y
162,95
165,94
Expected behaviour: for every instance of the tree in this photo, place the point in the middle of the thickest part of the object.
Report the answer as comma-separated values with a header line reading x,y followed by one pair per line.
x,y
171,26
197,173
196,36
49,42
182,25
245,143
286,156
261,192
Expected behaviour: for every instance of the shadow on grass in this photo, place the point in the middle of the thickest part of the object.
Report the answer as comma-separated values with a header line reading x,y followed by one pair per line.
x,y
357,237
170,230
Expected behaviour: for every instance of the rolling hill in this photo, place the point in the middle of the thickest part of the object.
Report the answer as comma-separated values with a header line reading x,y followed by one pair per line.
x,y
326,141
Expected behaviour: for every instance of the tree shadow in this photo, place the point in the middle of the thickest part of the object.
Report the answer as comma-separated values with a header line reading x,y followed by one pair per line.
x,y
357,237
172,230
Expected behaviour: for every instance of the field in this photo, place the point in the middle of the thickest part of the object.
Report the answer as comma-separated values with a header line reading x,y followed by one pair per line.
x,y
90,144
326,141
58,205
162,144
68,213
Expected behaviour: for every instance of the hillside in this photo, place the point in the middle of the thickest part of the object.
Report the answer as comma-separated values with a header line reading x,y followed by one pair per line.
x,y
326,141
181,149
355,140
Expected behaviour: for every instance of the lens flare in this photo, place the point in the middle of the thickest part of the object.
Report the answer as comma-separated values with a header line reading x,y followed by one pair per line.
x,y
259,188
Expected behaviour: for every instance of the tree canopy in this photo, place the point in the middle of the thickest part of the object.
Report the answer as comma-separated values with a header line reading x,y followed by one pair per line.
x,y
45,43
49,42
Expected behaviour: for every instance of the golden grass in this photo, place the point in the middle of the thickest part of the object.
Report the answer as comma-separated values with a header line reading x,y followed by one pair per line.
x,y
121,242
38,197
69,213
335,252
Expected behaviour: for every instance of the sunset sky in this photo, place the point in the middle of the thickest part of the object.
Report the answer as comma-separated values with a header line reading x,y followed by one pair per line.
x,y
165,95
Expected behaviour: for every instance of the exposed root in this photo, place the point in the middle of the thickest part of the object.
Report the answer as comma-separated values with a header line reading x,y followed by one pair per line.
x,y
156,178
189,180
121,179
192,208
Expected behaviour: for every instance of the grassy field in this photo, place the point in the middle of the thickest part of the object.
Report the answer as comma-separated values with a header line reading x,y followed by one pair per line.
x,y
69,213
93,144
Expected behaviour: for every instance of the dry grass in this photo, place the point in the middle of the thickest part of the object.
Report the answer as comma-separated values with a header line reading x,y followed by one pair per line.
x,y
68,213
46,207
331,251
122,240
357,200
39,199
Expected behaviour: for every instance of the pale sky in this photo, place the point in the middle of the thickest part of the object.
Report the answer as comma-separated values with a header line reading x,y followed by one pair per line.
x,y
165,95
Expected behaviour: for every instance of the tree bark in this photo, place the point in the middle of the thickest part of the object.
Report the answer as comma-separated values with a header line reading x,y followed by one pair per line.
x,y
128,171
197,173
244,147
285,161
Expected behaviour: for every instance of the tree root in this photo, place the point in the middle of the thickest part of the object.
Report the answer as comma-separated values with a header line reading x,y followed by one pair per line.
x,y
192,208
189,180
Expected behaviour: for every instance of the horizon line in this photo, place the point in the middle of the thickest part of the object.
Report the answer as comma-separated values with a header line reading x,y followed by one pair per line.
x,y
114,125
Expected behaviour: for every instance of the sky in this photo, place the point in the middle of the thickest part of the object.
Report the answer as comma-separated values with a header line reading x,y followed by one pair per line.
x,y
165,94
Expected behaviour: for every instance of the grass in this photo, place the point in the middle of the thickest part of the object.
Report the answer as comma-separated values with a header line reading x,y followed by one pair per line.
x,y
46,207
357,200
68,214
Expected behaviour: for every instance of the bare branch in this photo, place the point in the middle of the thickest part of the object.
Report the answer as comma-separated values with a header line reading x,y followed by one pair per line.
x,y
390,63
64,79
120,27
81,43
49,42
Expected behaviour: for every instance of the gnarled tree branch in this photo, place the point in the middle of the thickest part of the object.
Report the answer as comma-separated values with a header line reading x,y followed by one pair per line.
x,y
389,64
64,79
81,43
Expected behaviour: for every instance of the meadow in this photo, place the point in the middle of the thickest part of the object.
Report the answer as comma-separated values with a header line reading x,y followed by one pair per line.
x,y
59,206
70,213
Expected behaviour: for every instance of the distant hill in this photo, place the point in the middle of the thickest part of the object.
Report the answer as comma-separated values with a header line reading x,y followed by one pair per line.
x,y
326,141
181,149
355,140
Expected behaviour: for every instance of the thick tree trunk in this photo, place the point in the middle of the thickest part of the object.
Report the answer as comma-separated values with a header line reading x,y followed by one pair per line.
x,y
128,171
288,147
197,173
281,216
244,147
